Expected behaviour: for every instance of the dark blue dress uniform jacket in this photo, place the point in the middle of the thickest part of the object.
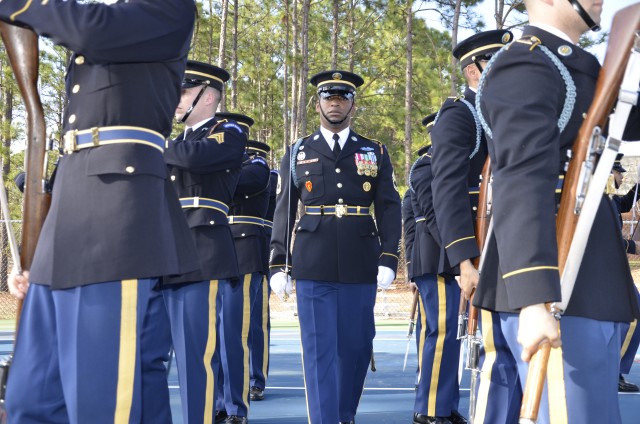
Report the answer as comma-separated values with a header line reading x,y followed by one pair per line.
x,y
527,154
428,254
251,199
207,165
268,228
114,214
409,229
456,177
327,248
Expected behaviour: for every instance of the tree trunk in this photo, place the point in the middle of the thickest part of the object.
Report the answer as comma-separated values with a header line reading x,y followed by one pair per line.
x,y
285,91
408,100
234,58
221,51
294,72
7,118
210,55
334,35
352,42
305,67
454,43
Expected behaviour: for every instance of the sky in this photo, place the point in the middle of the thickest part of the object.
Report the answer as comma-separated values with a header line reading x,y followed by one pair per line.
x,y
486,9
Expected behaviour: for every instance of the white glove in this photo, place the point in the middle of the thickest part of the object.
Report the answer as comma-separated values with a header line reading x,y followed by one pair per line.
x,y
281,285
385,277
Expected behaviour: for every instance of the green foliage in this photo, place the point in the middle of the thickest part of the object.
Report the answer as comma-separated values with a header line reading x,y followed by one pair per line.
x,y
376,30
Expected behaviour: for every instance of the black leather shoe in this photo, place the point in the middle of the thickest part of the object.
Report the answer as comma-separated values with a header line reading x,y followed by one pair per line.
x,y
234,419
425,419
348,422
256,393
457,418
221,417
625,386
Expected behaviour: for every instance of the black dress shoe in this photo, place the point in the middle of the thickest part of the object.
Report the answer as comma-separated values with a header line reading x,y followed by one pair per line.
x,y
221,417
256,393
457,418
425,419
234,419
348,422
625,386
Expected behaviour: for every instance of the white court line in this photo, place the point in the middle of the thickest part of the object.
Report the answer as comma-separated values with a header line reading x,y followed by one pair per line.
x,y
371,389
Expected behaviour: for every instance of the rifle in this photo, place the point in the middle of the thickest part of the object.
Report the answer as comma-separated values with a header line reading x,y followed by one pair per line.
x,y
472,342
578,204
412,324
22,48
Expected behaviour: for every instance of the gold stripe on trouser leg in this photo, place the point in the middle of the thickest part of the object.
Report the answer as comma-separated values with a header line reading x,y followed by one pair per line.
x,y
209,350
423,336
437,358
265,328
127,353
627,339
556,389
487,366
246,320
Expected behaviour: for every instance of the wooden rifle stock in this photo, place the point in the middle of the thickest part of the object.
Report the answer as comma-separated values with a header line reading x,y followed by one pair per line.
x,y
482,228
22,48
625,24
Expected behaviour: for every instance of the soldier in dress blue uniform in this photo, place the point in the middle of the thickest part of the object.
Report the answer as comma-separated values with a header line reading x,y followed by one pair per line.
x,y
260,325
528,144
407,210
630,332
205,164
247,225
459,153
260,313
437,395
339,252
94,331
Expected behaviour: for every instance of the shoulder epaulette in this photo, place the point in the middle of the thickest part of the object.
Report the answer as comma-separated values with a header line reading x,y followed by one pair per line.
x,y
301,138
530,40
460,97
213,128
379,144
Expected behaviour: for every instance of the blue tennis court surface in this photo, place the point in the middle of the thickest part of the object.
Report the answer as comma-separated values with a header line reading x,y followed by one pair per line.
x,y
388,396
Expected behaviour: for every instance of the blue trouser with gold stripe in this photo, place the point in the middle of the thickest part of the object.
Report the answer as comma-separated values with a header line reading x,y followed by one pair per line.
x,y
91,354
259,332
582,375
337,329
194,313
438,392
498,388
232,390
630,342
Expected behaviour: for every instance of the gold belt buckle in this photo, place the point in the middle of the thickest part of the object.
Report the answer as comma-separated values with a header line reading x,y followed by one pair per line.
x,y
341,210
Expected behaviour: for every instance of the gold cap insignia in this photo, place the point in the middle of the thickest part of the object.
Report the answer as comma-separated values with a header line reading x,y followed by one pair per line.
x,y
506,37
336,76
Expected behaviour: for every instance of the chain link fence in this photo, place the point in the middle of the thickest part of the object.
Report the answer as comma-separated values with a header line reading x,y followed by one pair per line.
x,y
391,304
8,303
